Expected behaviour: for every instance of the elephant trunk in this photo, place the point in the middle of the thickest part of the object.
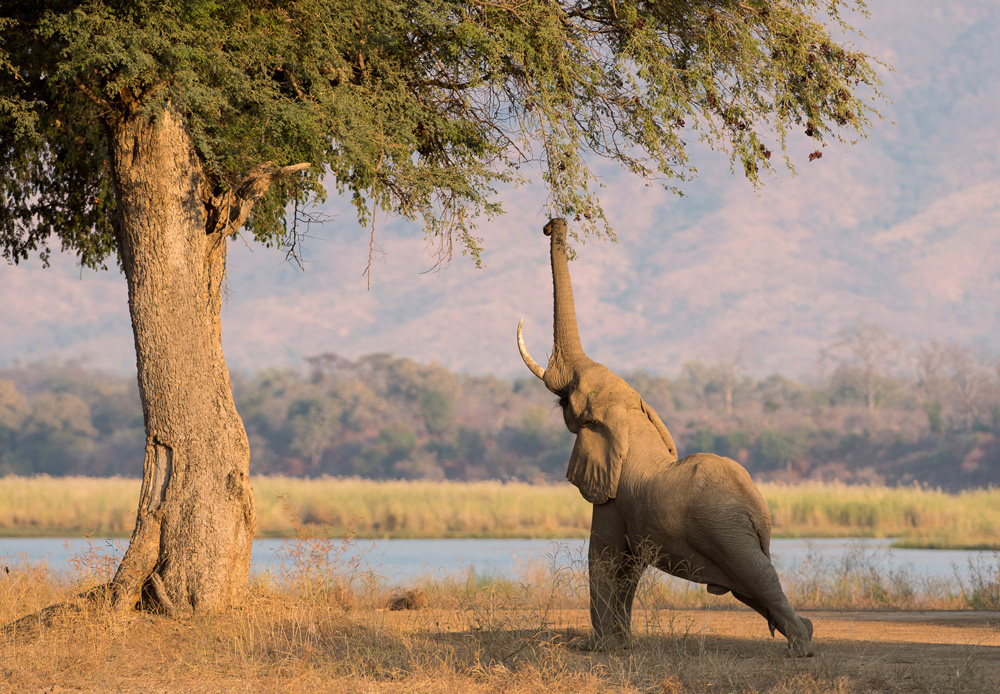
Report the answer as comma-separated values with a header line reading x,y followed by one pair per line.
x,y
568,357
567,351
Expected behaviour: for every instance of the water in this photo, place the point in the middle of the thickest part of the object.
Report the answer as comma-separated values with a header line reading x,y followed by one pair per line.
x,y
406,561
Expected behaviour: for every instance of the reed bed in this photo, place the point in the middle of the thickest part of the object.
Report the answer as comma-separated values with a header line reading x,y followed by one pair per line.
x,y
421,509
915,516
67,506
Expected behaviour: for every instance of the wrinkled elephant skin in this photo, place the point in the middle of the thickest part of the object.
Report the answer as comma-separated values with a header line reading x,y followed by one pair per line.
x,y
700,517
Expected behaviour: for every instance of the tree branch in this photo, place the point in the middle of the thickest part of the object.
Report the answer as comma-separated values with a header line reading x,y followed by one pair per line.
x,y
89,93
232,208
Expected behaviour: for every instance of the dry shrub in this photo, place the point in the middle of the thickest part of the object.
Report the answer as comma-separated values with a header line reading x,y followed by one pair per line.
x,y
410,599
981,590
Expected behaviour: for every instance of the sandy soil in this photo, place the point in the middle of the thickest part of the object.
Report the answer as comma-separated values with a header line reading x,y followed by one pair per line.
x,y
931,643
914,651
277,646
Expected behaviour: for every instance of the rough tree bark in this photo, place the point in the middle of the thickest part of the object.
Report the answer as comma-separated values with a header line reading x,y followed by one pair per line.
x,y
190,550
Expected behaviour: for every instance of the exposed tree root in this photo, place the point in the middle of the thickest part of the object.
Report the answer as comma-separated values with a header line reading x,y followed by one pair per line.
x,y
29,626
160,591
139,563
135,585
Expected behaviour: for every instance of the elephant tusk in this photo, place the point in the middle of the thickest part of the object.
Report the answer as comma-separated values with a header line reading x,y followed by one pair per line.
x,y
529,362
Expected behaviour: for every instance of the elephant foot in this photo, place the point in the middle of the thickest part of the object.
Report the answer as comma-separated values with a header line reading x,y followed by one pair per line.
x,y
594,643
802,648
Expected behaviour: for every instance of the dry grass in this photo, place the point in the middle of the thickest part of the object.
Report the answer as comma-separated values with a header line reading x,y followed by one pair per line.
x,y
919,517
408,509
67,506
324,626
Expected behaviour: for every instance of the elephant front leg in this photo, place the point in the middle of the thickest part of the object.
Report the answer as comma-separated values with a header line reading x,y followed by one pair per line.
x,y
614,575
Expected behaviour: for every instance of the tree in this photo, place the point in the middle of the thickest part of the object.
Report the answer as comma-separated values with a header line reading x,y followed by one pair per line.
x,y
14,409
968,374
312,422
437,409
870,350
152,132
930,384
728,371
950,372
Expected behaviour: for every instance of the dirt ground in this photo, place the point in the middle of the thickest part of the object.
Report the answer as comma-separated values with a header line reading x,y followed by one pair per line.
x,y
276,647
936,648
912,651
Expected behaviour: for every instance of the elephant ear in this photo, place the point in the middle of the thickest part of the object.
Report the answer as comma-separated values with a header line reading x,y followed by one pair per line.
x,y
596,462
661,428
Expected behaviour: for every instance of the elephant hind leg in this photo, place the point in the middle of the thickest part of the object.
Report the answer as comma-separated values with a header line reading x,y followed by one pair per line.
x,y
798,630
760,609
755,583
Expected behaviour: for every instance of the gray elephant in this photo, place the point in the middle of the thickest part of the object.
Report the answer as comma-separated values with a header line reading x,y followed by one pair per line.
x,y
700,517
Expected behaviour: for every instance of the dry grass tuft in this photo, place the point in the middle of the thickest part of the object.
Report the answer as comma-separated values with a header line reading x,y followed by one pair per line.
x,y
412,599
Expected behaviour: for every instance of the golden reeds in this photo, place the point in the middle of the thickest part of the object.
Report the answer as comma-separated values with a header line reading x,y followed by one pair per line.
x,y
916,516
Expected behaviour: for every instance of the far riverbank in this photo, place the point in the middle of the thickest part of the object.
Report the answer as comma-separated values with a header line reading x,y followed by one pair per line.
x,y
332,507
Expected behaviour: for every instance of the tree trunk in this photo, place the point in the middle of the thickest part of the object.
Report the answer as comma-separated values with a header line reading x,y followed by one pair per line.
x,y
190,550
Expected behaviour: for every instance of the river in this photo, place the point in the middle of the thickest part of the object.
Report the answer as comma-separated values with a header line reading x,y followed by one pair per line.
x,y
400,562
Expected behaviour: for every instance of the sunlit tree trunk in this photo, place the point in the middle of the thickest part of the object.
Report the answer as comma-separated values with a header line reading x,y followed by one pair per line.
x,y
190,550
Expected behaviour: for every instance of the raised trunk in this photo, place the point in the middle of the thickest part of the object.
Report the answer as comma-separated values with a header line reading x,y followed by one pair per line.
x,y
567,351
195,523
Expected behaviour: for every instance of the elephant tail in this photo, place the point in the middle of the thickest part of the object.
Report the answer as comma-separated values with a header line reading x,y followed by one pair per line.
x,y
760,518
763,536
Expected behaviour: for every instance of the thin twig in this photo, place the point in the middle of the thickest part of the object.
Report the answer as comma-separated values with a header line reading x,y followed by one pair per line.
x,y
373,248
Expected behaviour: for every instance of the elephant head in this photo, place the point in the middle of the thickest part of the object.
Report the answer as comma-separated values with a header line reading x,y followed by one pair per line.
x,y
598,406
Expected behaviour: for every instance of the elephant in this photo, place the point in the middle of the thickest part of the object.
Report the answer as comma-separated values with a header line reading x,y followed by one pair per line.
x,y
700,517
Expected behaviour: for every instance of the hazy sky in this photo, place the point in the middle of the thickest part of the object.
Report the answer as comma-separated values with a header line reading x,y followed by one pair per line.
x,y
902,229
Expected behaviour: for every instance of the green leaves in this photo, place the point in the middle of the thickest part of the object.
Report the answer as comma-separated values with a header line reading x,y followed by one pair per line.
x,y
415,107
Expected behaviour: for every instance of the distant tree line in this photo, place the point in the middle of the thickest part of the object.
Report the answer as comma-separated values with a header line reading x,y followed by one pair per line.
x,y
866,419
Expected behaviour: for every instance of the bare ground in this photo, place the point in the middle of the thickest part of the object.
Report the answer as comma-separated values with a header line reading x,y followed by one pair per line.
x,y
891,651
865,651
277,645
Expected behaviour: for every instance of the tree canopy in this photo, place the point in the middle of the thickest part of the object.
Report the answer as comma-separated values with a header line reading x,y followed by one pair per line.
x,y
152,131
417,107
